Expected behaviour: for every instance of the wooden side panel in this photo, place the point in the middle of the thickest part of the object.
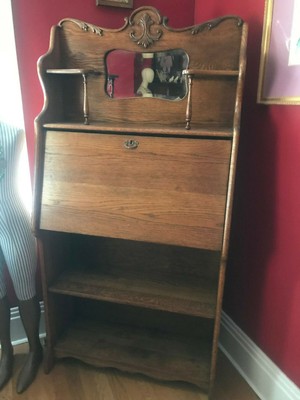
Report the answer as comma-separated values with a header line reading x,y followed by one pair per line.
x,y
167,190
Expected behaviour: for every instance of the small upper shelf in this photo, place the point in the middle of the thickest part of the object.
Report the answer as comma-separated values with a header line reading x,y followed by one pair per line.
x,y
198,73
73,71
84,73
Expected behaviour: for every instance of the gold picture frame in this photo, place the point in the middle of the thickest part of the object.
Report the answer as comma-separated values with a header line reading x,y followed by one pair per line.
x,y
279,72
115,3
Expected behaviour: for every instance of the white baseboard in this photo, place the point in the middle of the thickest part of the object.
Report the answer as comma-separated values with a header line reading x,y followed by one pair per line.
x,y
262,375
265,378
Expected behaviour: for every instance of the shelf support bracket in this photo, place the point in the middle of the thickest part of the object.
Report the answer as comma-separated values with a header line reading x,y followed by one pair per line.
x,y
85,101
188,115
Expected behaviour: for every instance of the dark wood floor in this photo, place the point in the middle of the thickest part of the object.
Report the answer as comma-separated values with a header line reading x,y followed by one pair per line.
x,y
73,380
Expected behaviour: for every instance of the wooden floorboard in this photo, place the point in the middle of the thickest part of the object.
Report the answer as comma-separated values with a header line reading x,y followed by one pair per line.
x,y
73,380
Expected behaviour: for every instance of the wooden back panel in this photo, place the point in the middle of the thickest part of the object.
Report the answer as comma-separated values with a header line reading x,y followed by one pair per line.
x,y
212,46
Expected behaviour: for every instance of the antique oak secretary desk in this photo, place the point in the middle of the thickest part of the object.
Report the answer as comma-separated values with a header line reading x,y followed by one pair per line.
x,y
133,194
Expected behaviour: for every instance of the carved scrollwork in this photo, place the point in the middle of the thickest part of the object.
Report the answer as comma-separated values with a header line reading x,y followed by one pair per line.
x,y
147,31
213,23
84,26
146,23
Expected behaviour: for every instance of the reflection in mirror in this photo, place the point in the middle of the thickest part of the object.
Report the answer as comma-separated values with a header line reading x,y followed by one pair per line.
x,y
159,74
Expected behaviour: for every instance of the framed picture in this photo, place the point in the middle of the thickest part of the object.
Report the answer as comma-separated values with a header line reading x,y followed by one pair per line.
x,y
279,72
115,3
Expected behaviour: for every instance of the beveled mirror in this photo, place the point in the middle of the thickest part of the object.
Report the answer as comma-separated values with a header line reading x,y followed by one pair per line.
x,y
137,74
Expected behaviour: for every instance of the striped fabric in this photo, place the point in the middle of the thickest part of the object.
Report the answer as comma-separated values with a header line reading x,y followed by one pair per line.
x,y
17,244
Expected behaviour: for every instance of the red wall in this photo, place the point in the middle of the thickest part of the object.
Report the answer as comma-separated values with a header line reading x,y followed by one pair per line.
x,y
262,293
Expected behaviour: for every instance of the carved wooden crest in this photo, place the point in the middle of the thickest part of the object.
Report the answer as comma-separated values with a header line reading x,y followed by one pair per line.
x,y
146,26
145,21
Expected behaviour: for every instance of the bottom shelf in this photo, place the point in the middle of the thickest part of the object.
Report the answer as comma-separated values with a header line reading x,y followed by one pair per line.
x,y
156,354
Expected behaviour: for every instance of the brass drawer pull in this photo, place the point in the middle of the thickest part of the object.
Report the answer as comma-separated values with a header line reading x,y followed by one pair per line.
x,y
131,144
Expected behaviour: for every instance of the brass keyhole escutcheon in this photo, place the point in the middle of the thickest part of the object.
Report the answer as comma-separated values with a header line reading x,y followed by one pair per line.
x,y
131,144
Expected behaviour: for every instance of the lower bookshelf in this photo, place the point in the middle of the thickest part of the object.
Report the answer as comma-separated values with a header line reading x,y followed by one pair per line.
x,y
138,307
157,354
187,295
